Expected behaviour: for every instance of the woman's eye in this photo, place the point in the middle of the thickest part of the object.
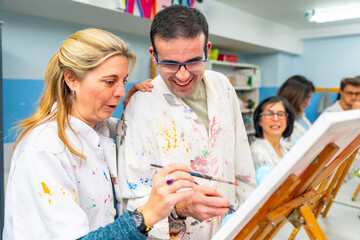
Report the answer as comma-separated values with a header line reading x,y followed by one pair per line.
x,y
109,82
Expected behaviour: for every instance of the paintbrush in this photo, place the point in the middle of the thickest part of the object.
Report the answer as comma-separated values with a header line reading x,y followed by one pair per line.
x,y
200,175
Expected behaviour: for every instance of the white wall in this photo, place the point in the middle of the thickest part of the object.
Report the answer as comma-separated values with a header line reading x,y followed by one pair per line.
x,y
29,43
328,60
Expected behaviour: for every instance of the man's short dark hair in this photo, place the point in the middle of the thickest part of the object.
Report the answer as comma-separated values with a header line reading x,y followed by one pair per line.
x,y
178,21
349,81
260,108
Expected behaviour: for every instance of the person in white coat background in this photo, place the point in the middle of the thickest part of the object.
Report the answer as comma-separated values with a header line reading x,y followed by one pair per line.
x,y
273,119
63,181
297,90
349,100
192,116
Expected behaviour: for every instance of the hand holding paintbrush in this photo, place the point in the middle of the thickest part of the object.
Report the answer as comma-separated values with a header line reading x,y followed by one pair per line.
x,y
210,178
200,175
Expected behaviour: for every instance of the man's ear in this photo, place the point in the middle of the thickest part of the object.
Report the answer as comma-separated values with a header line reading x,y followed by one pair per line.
x,y
152,52
208,45
70,80
341,92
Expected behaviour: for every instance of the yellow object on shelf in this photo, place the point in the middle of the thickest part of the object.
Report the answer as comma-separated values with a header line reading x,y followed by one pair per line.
x,y
214,53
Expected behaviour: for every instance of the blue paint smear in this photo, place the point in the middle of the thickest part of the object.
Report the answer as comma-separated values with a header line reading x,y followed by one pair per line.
x,y
132,185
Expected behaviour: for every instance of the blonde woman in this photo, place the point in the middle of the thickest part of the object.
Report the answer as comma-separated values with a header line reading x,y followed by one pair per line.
x,y
63,177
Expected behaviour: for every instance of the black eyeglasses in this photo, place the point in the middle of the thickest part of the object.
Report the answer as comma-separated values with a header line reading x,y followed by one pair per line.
x,y
270,114
173,67
350,93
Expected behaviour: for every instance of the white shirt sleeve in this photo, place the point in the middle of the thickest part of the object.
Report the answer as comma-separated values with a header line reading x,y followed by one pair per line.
x,y
44,199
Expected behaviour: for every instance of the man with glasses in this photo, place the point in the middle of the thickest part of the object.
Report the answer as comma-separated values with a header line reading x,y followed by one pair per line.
x,y
349,96
192,116
349,100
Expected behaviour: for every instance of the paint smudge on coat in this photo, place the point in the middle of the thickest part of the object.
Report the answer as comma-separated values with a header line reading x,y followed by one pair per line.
x,y
132,185
145,181
170,135
47,191
106,176
243,178
199,164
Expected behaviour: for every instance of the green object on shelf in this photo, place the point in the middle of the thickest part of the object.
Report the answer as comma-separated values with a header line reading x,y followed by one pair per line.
x,y
249,82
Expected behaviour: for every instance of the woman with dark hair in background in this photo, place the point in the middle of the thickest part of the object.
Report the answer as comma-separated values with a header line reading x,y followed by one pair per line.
x,y
297,90
273,119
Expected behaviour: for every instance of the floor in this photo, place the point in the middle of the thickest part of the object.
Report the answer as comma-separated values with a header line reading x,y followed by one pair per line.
x,y
342,221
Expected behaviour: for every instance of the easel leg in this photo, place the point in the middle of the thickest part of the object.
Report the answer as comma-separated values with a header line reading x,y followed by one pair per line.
x,y
294,233
356,192
311,226
344,168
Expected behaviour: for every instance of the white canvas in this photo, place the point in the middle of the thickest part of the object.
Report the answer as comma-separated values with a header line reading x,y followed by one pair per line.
x,y
340,128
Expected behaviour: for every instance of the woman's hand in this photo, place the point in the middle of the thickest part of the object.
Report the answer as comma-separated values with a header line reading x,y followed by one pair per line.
x,y
164,194
145,86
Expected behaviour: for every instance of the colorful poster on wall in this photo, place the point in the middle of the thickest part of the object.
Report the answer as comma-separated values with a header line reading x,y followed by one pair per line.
x,y
149,8
145,7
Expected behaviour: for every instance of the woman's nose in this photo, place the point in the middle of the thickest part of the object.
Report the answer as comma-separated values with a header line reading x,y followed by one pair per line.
x,y
119,90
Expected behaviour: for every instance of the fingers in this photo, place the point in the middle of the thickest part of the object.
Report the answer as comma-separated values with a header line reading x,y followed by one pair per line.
x,y
208,190
207,203
145,86
208,196
174,167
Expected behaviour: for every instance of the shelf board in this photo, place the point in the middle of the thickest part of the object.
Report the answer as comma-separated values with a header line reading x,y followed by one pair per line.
x,y
232,64
237,88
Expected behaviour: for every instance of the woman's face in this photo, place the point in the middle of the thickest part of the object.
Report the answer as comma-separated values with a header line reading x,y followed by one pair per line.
x,y
306,102
273,120
98,94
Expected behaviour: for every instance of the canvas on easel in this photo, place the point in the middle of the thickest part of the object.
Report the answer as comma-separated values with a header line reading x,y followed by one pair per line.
x,y
293,184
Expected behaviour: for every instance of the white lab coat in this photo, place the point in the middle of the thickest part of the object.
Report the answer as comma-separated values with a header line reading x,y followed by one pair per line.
x,y
53,194
334,108
160,128
298,131
264,154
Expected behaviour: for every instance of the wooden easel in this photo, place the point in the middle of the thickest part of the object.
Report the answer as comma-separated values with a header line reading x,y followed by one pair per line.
x,y
327,191
294,198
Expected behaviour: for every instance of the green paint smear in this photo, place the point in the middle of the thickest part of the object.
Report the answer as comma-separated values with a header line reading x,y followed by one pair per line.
x,y
205,152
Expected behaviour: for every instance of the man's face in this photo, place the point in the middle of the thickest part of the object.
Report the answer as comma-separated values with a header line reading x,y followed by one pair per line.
x,y
350,95
181,82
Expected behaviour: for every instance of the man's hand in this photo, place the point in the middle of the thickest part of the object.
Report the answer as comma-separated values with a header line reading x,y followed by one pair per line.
x,y
145,86
205,203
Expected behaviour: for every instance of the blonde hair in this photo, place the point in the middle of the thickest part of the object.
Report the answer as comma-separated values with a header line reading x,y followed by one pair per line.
x,y
80,53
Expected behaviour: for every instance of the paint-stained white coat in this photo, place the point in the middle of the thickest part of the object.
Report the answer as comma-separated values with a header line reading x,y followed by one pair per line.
x,y
159,128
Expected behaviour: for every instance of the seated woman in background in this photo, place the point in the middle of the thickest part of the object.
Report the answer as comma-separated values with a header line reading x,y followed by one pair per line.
x,y
63,176
273,119
297,90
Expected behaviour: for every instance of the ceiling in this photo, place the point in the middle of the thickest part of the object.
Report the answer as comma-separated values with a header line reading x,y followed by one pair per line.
x,y
290,12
